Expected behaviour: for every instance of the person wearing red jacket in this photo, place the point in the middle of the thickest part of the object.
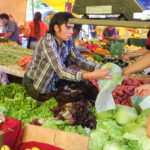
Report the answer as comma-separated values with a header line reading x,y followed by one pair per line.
x,y
36,30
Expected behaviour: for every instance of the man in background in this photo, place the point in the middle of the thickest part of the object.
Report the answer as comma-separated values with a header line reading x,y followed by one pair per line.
x,y
11,28
110,34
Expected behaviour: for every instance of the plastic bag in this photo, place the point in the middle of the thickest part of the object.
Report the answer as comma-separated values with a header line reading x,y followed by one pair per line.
x,y
140,103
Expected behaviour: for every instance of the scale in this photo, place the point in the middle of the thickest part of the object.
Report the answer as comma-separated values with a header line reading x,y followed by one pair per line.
x,y
123,8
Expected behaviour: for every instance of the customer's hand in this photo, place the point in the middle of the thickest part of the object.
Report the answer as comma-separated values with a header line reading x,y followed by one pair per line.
x,y
125,56
143,90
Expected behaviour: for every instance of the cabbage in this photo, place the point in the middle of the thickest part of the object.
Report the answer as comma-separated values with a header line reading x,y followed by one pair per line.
x,y
125,114
97,139
134,145
104,100
145,142
143,117
106,124
109,114
112,145
131,126
135,134
112,129
116,134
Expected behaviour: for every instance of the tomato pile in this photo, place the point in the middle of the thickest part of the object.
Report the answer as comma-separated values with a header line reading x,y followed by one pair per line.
x,y
122,93
91,47
24,62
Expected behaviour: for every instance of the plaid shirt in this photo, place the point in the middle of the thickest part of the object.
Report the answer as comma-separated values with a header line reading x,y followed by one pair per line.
x,y
53,56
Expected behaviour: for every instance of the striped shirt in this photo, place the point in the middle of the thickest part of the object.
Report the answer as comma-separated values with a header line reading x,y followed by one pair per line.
x,y
54,57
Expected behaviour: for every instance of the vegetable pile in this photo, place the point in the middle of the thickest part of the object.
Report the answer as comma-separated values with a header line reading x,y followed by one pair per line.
x,y
117,49
119,129
3,40
10,54
24,62
76,113
122,93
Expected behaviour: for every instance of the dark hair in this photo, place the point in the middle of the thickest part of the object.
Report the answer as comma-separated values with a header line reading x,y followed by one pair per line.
x,y
4,16
78,26
59,19
37,18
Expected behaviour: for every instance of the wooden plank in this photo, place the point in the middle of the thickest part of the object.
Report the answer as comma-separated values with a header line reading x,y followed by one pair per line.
x,y
64,140
13,70
115,23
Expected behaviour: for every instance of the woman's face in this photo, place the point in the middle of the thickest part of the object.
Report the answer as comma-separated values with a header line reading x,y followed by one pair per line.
x,y
64,32
110,28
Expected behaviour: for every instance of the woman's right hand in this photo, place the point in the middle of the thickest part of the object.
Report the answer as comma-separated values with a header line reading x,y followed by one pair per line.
x,y
97,74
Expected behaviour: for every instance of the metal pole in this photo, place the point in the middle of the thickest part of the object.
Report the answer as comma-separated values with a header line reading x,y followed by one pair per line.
x,y
33,8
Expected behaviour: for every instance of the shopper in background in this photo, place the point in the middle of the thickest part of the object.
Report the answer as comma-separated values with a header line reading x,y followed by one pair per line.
x,y
55,53
36,30
110,34
11,28
76,30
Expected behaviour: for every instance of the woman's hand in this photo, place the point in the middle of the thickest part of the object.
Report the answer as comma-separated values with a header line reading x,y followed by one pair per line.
x,y
143,90
97,74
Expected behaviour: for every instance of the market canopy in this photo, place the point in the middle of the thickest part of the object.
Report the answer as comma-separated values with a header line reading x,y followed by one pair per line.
x,y
17,8
58,5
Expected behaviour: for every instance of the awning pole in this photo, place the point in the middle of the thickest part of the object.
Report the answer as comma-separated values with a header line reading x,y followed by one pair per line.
x,y
33,8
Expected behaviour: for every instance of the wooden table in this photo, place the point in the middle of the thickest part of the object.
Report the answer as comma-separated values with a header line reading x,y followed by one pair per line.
x,y
13,70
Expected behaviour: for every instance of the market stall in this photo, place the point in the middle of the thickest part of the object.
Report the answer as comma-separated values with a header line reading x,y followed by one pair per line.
x,y
74,118
9,6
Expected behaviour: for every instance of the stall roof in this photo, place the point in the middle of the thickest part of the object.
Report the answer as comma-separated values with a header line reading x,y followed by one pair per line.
x,y
17,8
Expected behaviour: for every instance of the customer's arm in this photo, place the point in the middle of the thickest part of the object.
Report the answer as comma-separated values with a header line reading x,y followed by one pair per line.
x,y
143,90
140,52
140,64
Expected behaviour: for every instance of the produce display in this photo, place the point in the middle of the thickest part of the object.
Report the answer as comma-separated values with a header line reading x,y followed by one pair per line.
x,y
10,54
72,108
131,48
3,40
24,62
117,49
122,128
122,94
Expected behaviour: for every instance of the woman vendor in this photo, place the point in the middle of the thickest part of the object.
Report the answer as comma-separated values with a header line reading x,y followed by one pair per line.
x,y
55,52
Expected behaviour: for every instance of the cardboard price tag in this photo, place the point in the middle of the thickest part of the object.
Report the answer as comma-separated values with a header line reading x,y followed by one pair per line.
x,y
61,139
